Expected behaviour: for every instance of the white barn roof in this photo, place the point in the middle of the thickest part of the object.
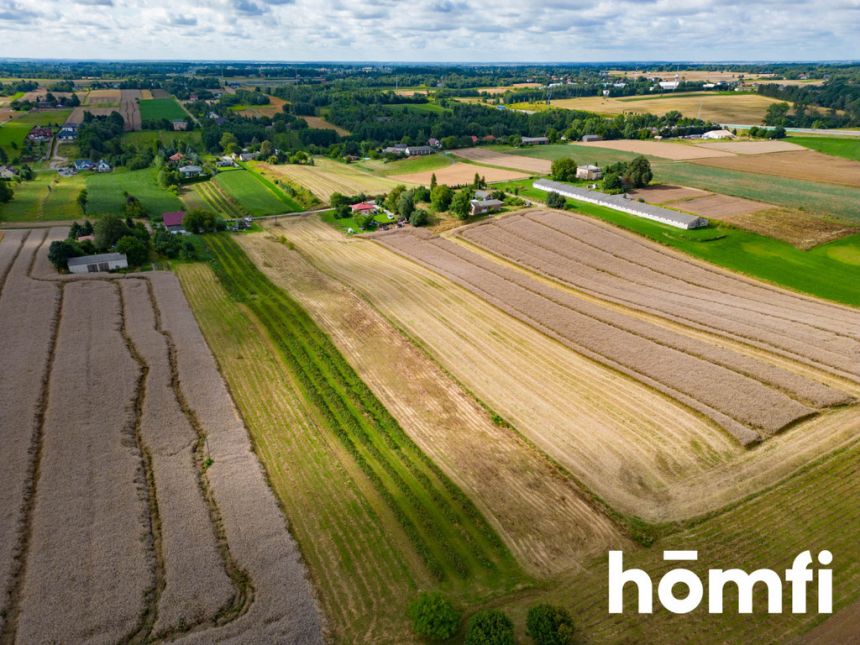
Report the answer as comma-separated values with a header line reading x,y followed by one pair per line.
x,y
97,259
617,202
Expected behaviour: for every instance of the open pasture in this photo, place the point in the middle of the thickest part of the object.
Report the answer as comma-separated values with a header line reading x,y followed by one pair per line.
x,y
47,197
845,147
250,192
806,165
327,176
105,192
161,108
459,174
107,474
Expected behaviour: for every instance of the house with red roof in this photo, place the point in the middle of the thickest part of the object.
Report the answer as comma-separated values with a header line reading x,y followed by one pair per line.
x,y
363,208
176,157
173,221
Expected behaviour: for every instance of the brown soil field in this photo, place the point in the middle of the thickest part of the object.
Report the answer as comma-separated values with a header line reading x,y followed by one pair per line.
x,y
748,398
517,162
808,165
625,269
843,627
691,75
501,89
459,174
126,402
752,147
320,123
664,194
130,109
524,496
664,465
160,94
664,149
720,206
77,115
275,106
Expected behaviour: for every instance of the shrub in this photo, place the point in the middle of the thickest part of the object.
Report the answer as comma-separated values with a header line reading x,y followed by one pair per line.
x,y
490,627
419,217
134,249
440,197
61,250
549,625
433,616
555,200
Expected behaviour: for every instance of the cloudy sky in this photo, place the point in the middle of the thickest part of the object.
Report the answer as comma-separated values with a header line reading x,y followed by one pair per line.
x,y
432,30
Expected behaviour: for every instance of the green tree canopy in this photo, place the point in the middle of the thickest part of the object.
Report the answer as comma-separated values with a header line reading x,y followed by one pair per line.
x,y
549,625
563,169
433,616
460,205
490,627
108,230
135,249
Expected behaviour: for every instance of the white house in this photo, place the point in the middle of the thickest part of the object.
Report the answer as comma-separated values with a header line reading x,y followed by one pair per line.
x,y
620,203
190,171
96,263
588,172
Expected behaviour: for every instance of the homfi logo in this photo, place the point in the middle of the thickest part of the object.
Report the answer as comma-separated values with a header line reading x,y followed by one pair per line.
x,y
798,577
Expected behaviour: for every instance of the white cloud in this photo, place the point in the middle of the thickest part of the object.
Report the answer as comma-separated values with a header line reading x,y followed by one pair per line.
x,y
428,30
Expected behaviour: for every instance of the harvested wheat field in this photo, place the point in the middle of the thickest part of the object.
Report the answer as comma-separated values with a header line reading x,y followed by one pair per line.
x,y
666,193
719,206
752,147
747,397
104,485
459,174
77,115
517,162
807,165
664,149
798,228
560,400
327,176
107,98
515,485
627,270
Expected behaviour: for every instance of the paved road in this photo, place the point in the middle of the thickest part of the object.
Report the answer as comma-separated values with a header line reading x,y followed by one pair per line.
x,y
829,133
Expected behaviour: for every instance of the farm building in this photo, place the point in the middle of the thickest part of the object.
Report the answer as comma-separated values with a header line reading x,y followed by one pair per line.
x,y
103,166
623,204
7,172
179,124
433,142
588,172
669,85
588,138
173,221
482,206
718,134
96,263
363,208
534,141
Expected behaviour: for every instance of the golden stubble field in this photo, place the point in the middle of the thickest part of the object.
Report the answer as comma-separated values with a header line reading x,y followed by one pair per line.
x,y
668,464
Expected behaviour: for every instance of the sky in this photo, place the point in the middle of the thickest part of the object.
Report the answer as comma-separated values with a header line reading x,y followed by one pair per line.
x,y
432,30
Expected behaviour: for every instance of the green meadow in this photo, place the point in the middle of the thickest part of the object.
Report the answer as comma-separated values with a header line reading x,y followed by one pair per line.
x,y
106,192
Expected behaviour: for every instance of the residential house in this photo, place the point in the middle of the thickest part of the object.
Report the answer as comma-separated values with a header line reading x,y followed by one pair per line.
x,y
97,263
534,141
190,171
434,142
7,172
173,221
103,166
363,208
176,157
248,156
68,132
84,164
588,172
40,135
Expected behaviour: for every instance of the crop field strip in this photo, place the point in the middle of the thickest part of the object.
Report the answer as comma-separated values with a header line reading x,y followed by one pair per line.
x,y
429,507
219,199
520,491
749,399
205,530
350,541
664,466
574,251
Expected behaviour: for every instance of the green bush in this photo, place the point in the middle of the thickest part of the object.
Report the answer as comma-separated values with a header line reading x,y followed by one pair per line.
x,y
555,200
433,616
549,625
490,627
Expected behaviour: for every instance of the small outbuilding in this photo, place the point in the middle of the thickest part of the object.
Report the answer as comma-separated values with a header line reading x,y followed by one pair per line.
x,y
173,221
98,263
588,138
534,141
482,206
190,171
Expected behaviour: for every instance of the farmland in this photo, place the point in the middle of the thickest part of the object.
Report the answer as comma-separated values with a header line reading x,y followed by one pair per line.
x,y
846,148
164,108
405,166
106,192
413,502
252,192
806,165
327,176
458,174
321,124
710,106
126,488
47,197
